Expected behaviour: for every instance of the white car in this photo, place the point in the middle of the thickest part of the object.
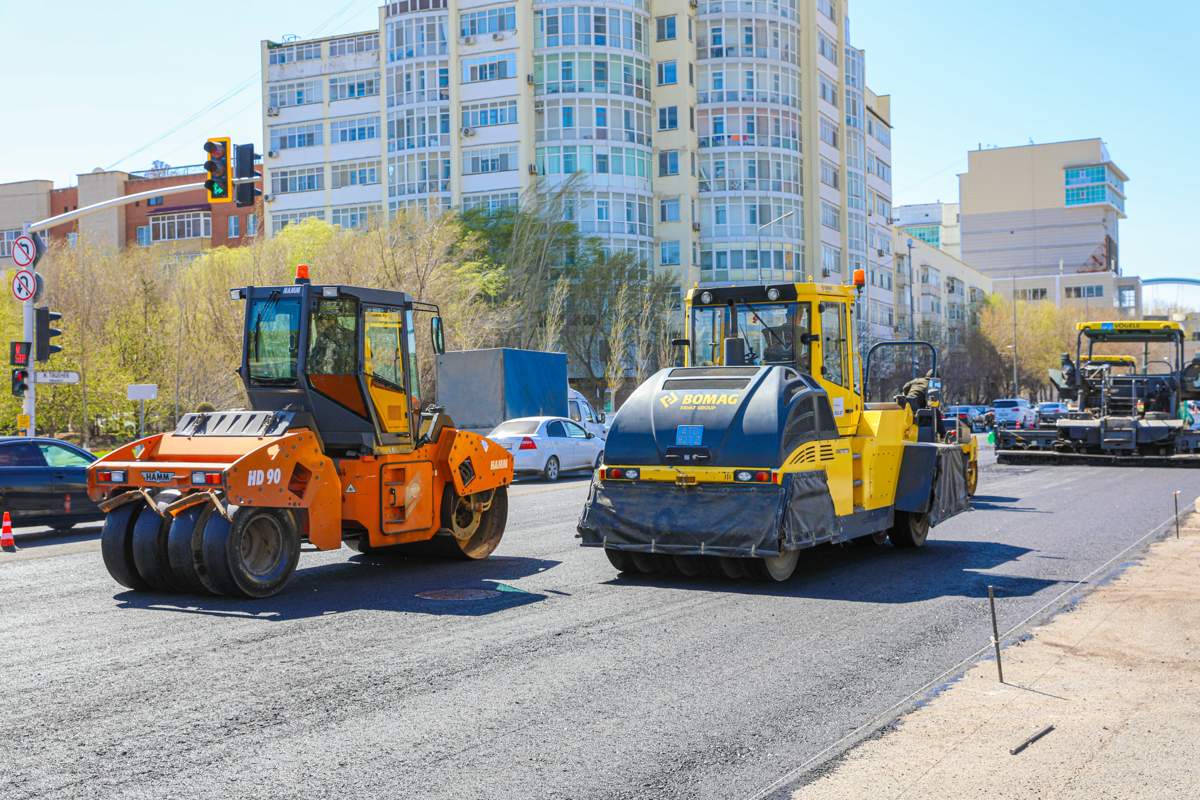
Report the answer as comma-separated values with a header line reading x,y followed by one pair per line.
x,y
581,411
548,446
1015,413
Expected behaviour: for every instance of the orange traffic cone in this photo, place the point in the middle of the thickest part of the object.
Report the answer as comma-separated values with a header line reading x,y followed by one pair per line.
x,y
6,535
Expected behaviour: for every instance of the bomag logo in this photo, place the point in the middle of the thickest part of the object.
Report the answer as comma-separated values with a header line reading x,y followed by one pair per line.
x,y
704,401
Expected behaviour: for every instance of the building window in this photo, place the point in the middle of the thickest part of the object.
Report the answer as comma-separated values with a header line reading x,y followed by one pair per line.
x,y
355,129
1127,297
286,54
929,234
668,118
479,160
295,93
294,136
301,179
188,225
827,47
347,87
828,8
829,173
282,220
252,224
665,28
831,261
143,236
668,210
1081,292
490,201
363,43
668,253
668,163
1032,294
486,115
829,132
355,173
155,201
493,20
831,216
828,89
354,216
666,73
489,68
234,226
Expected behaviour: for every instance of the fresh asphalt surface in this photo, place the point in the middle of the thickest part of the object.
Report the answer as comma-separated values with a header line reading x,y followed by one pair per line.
x,y
566,681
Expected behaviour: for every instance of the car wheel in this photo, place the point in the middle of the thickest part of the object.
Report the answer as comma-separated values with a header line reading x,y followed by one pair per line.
x,y
550,472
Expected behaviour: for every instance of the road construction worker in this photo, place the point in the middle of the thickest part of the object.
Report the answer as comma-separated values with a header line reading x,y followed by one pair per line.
x,y
915,393
333,346
1068,369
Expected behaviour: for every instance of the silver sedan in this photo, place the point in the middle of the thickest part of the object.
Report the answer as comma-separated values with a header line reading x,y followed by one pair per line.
x,y
548,446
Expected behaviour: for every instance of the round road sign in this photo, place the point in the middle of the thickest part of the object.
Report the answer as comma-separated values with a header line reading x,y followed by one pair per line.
x,y
24,250
24,284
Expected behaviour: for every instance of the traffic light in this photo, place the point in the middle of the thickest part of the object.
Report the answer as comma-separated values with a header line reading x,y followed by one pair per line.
x,y
44,316
244,168
18,354
20,381
219,185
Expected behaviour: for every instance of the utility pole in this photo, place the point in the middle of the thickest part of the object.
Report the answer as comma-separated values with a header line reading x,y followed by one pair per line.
x,y
1014,305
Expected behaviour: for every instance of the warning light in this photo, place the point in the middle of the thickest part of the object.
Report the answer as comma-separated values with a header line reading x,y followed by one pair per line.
x,y
219,169
302,273
18,354
860,277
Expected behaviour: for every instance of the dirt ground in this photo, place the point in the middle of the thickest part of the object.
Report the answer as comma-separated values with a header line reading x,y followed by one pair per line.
x,y
1118,678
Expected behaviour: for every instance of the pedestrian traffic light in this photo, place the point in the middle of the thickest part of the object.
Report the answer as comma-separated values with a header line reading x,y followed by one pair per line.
x,y
43,317
18,354
243,167
20,381
219,184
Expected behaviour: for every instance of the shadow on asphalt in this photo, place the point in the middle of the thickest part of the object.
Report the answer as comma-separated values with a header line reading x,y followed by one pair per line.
x,y
984,502
883,574
371,583
84,532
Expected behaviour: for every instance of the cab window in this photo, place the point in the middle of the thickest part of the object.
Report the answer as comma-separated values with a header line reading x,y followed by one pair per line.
x,y
333,337
833,343
769,332
708,329
384,351
273,340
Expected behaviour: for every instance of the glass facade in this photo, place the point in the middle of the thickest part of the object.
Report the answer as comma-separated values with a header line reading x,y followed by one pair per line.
x,y
1092,184
929,234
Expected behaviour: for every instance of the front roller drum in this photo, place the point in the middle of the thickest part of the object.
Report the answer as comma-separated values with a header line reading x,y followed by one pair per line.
x,y
252,555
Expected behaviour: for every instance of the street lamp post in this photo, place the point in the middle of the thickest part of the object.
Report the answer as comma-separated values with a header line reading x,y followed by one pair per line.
x,y
759,231
912,311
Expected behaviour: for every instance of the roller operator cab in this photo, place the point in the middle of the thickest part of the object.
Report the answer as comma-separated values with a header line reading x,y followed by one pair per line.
x,y
1127,408
761,445
336,448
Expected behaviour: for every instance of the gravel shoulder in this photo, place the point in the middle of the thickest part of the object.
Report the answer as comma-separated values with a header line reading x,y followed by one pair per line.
x,y
1117,678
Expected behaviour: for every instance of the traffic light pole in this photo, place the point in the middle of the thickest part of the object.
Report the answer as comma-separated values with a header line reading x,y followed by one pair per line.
x,y
30,399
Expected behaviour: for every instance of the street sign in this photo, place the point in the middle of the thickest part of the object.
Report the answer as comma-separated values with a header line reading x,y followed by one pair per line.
x,y
57,376
26,250
22,422
141,391
24,283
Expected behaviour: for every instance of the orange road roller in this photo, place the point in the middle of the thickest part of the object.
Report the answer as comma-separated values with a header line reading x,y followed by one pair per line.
x,y
335,448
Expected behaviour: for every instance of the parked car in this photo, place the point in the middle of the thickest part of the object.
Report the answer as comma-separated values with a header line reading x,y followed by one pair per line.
x,y
581,411
967,415
1014,413
44,482
548,446
1050,413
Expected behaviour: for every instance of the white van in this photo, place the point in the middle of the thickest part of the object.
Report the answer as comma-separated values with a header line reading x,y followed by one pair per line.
x,y
580,410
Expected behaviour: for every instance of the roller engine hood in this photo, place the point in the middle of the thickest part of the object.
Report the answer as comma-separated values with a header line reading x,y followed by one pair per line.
x,y
719,417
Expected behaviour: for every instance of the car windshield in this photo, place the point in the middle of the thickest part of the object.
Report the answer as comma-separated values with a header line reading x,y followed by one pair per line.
x,y
516,427
274,339
1005,404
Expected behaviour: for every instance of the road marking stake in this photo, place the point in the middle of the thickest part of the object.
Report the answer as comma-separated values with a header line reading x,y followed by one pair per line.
x,y
6,535
995,632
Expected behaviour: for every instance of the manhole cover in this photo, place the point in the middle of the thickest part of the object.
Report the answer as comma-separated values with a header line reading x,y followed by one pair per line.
x,y
458,594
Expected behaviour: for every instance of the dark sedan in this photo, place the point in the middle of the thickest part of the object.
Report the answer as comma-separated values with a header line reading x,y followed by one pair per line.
x,y
44,482
1050,413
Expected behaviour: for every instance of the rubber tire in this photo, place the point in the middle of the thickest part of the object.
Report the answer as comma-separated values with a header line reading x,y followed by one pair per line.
x,y
221,545
185,551
646,563
491,526
972,475
909,529
690,566
620,559
116,546
548,474
775,569
148,543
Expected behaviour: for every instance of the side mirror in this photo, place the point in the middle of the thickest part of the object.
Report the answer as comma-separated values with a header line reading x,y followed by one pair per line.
x,y
438,335
603,417
590,435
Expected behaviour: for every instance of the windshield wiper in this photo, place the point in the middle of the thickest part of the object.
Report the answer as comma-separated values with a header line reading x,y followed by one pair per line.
x,y
767,329
386,383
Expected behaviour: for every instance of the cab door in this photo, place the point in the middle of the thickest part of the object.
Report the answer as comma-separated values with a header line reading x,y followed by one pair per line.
x,y
385,370
836,362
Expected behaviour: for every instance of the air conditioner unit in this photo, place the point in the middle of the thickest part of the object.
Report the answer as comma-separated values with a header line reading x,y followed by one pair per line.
x,y
529,79
272,154
696,226
533,169
468,131
468,40
497,36
268,198
272,111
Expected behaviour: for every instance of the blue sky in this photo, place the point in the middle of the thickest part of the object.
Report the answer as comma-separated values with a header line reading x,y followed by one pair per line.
x,y
86,87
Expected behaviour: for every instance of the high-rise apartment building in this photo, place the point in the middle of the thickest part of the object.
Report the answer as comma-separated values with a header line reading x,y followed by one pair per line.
x,y
935,224
683,127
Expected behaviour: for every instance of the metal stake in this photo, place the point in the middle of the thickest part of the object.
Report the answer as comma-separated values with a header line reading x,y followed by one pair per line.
x,y
1176,513
995,632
